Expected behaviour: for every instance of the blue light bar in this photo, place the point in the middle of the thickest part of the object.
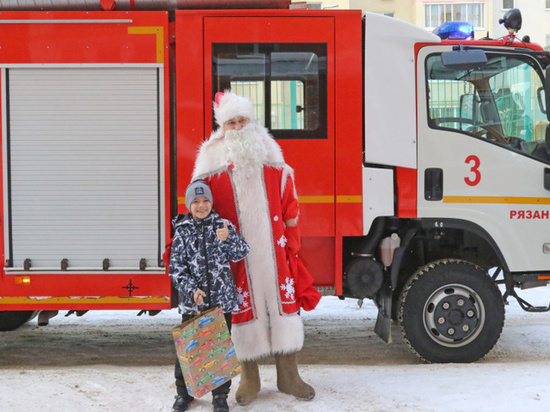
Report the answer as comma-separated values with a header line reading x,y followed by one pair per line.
x,y
455,30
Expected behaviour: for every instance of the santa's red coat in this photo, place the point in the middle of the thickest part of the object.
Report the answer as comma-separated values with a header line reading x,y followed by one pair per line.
x,y
267,321
282,206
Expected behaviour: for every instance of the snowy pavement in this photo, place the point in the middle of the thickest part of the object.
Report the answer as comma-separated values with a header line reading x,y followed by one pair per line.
x,y
115,361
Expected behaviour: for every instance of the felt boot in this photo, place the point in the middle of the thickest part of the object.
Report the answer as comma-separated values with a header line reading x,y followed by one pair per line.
x,y
288,379
250,383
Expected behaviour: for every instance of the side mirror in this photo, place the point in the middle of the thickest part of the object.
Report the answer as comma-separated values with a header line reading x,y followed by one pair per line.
x,y
464,59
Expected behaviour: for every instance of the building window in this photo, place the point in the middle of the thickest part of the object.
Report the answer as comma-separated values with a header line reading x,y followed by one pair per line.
x,y
439,13
509,4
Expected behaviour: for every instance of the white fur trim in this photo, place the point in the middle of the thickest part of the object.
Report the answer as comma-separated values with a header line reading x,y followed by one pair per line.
x,y
211,159
287,171
212,156
232,105
269,332
254,340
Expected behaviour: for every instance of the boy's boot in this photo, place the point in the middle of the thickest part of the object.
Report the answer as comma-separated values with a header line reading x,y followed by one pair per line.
x,y
182,403
220,403
288,379
250,383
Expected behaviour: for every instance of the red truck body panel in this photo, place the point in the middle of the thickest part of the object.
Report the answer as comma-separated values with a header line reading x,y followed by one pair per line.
x,y
328,171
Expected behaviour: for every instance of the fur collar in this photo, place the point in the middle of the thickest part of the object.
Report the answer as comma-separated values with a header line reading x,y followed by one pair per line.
x,y
212,158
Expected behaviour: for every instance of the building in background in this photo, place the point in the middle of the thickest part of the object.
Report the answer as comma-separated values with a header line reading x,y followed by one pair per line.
x,y
432,13
403,10
535,15
483,14
426,13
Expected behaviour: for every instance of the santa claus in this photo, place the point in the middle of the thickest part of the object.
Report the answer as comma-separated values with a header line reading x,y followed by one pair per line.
x,y
254,188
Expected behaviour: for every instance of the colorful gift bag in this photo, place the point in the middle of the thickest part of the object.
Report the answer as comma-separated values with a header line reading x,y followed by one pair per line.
x,y
205,352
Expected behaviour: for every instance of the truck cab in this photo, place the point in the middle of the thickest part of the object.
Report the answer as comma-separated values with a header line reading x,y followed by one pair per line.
x,y
471,189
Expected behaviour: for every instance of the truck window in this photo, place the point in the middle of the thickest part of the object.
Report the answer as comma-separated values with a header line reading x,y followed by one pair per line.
x,y
498,102
286,82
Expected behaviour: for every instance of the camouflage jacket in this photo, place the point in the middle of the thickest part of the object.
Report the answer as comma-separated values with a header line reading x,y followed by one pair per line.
x,y
199,260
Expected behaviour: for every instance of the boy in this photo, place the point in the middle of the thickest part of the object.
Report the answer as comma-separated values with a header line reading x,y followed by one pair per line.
x,y
202,247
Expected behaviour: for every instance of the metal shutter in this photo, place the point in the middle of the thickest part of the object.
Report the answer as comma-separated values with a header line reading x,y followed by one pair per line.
x,y
83,167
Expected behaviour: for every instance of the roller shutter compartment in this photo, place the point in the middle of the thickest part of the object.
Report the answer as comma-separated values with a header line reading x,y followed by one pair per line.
x,y
81,167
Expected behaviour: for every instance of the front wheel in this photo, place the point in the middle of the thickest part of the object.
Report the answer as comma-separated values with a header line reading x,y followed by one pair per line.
x,y
451,311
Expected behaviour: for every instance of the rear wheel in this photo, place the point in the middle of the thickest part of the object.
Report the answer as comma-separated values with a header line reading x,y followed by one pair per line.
x,y
11,320
451,311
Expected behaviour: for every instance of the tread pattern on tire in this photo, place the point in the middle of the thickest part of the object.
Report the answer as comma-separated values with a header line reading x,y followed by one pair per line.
x,y
413,279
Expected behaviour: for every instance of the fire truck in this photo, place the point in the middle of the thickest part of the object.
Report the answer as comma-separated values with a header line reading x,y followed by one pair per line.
x,y
421,159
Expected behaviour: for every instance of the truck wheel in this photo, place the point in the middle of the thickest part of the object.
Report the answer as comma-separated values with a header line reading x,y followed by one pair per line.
x,y
11,320
451,311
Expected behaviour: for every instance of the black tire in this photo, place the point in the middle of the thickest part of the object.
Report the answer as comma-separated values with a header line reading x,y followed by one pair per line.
x,y
451,311
11,320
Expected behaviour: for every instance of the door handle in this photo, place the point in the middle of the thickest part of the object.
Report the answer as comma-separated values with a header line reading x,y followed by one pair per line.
x,y
433,183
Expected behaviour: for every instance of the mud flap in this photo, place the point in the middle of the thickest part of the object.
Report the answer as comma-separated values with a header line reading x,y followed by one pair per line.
x,y
383,322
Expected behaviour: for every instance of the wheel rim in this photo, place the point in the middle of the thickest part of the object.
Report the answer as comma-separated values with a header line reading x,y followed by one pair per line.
x,y
454,315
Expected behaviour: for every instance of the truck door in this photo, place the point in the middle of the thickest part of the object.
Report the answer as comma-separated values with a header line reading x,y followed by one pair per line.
x,y
482,156
285,65
284,72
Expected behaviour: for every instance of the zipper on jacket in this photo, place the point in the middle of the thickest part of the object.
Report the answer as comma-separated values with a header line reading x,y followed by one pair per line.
x,y
206,265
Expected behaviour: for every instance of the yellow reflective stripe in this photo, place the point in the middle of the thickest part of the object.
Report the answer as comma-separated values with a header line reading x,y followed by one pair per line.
x,y
316,199
158,31
27,300
497,200
349,199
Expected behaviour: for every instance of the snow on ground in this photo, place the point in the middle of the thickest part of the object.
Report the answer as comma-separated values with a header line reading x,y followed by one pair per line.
x,y
115,361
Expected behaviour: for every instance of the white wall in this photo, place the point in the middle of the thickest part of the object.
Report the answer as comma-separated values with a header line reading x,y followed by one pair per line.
x,y
535,16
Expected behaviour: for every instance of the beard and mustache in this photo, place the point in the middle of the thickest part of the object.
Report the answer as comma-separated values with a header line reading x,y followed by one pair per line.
x,y
245,149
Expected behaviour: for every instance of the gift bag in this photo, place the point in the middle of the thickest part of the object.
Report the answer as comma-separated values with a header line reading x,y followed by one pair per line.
x,y
205,352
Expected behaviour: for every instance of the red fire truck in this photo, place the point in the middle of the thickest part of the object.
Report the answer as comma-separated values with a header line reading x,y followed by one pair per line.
x,y
422,161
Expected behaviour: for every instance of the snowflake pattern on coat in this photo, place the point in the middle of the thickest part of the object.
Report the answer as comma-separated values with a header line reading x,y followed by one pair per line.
x,y
243,297
288,288
199,260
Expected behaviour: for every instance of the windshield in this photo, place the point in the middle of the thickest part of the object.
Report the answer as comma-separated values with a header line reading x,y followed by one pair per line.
x,y
501,101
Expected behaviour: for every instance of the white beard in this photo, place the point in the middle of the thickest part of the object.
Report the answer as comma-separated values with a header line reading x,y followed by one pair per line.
x,y
245,149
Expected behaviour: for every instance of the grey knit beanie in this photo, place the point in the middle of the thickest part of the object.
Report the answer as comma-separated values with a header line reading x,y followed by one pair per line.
x,y
198,188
